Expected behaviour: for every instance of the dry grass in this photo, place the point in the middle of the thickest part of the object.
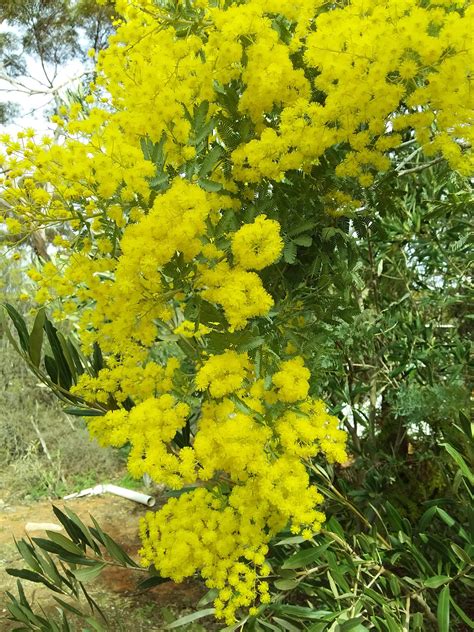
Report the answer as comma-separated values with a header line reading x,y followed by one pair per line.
x,y
44,451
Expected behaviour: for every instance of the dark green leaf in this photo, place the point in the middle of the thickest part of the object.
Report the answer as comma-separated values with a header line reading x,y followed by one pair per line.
x,y
36,337
443,610
305,557
20,326
90,573
189,618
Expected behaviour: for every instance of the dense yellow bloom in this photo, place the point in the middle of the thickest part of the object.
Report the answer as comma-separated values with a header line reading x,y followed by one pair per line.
x,y
257,245
240,293
128,380
292,380
189,329
150,427
223,374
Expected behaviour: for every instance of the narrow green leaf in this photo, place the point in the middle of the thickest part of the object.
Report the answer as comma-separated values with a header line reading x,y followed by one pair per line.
x,y
51,368
64,373
353,625
151,582
189,618
90,573
298,612
461,463
461,553
443,610
31,576
65,543
98,627
305,557
36,337
20,326
114,549
76,529
83,412
67,606
462,615
285,625
445,517
27,552
436,581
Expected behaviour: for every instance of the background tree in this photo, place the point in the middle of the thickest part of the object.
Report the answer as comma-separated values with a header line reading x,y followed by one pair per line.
x,y
49,33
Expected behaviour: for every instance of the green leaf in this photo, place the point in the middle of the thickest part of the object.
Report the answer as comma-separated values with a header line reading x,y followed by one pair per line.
x,y
427,517
298,612
89,573
20,326
289,252
445,517
64,373
209,185
305,557
67,606
466,471
436,581
24,573
31,576
461,553
151,582
393,516
76,529
67,354
65,543
190,618
36,337
112,547
303,240
443,610
285,625
390,622
51,368
27,552
294,539
50,546
210,161
95,624
353,625
285,584
460,612
302,228
83,412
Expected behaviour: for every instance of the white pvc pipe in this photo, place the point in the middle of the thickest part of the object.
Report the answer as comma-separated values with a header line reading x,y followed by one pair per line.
x,y
137,497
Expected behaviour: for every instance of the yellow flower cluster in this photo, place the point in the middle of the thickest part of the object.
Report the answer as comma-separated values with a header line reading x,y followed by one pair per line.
x,y
247,460
292,380
225,536
223,374
257,245
150,428
127,380
240,293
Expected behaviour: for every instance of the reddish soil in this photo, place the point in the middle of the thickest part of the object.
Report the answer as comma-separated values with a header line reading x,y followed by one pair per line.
x,y
116,588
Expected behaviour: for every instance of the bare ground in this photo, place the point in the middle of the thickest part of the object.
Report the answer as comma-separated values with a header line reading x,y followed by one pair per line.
x,y
115,590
